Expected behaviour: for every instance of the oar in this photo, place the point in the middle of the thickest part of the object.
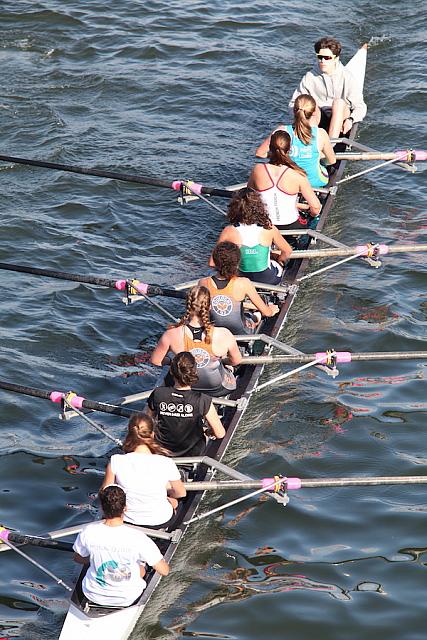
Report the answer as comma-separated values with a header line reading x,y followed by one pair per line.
x,y
35,541
303,483
133,285
176,185
268,484
73,400
5,539
401,155
323,357
368,250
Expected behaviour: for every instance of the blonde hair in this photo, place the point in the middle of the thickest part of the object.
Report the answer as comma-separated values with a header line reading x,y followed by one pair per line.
x,y
198,304
304,107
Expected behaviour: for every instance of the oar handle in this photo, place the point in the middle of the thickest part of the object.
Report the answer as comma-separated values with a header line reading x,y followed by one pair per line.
x,y
148,289
199,189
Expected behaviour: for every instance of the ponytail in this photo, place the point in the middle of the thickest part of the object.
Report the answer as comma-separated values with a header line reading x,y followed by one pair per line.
x,y
304,107
280,143
140,431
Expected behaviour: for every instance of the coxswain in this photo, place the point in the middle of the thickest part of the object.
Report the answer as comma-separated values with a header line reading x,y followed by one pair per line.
x,y
214,348
334,89
252,230
280,182
184,416
147,474
228,291
115,554
311,148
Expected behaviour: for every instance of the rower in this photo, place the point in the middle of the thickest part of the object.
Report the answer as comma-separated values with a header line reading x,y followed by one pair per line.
x,y
182,412
334,89
252,230
279,183
147,474
228,291
115,555
208,344
309,143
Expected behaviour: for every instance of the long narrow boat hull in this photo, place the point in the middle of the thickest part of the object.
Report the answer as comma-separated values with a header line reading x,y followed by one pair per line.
x,y
118,624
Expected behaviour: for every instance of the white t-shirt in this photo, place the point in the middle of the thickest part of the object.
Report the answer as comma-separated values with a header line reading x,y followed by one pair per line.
x,y
144,477
113,577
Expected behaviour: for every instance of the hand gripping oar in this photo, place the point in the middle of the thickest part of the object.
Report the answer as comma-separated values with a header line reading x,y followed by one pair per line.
x,y
133,286
73,400
176,185
4,536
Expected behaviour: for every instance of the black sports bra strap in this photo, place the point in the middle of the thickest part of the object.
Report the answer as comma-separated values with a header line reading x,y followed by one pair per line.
x,y
221,283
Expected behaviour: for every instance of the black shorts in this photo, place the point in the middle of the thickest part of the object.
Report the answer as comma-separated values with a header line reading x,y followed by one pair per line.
x,y
272,275
325,118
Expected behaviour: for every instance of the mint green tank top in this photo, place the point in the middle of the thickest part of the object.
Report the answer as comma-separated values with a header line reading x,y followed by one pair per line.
x,y
254,256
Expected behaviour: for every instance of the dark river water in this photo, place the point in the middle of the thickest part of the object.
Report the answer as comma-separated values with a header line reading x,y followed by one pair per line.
x,y
187,90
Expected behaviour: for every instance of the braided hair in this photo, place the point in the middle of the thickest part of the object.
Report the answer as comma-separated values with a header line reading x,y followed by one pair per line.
x,y
198,304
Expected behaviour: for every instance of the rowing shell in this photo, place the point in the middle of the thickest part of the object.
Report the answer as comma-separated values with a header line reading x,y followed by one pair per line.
x,y
111,624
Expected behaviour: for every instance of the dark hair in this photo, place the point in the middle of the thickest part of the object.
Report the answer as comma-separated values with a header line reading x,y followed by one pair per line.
x,y
198,304
280,144
226,257
304,107
328,43
140,431
113,501
247,207
183,369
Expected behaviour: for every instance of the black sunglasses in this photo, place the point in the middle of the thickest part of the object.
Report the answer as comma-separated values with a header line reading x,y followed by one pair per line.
x,y
320,57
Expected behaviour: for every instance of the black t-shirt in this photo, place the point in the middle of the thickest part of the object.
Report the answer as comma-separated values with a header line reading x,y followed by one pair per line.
x,y
180,416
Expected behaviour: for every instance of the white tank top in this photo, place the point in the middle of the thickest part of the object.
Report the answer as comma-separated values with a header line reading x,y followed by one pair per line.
x,y
281,206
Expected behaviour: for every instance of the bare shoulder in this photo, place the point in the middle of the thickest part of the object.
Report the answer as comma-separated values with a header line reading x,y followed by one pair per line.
x,y
303,181
245,282
170,333
223,334
229,233
291,177
241,287
258,169
323,135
